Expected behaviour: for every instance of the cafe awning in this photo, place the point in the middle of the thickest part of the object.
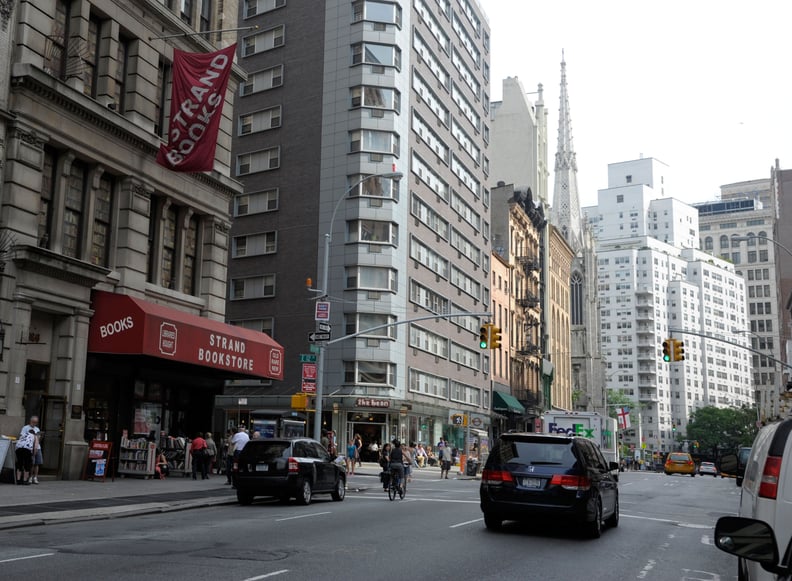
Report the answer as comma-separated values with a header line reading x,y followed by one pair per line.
x,y
503,402
122,324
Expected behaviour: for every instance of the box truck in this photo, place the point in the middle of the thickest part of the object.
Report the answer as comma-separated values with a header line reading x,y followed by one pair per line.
x,y
596,427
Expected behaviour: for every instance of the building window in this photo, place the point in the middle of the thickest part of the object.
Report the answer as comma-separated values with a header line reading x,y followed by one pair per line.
x,y
375,97
253,7
253,287
256,202
100,237
189,271
206,15
122,56
376,187
620,198
428,384
367,140
57,40
162,110
168,246
48,182
371,278
263,120
376,54
90,59
264,160
187,11
262,81
370,372
384,12
263,41
372,231
358,322
255,244
73,209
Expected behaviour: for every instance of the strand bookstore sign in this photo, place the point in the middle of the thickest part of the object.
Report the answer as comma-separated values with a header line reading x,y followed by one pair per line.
x,y
199,87
127,325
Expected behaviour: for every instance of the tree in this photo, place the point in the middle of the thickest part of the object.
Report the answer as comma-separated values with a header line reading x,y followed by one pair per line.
x,y
722,429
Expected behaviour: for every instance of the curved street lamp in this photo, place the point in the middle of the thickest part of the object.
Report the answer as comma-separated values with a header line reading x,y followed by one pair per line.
x,y
323,292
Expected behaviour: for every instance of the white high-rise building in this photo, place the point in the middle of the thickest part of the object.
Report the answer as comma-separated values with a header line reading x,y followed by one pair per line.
x,y
654,284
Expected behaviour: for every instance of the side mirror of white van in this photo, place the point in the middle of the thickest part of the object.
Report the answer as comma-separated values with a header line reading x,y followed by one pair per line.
x,y
749,539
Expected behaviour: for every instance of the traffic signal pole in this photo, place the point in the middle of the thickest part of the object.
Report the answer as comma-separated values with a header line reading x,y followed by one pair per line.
x,y
751,349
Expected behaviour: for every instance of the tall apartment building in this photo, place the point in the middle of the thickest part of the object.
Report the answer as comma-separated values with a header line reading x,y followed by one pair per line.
x,y
651,289
113,285
338,92
740,228
781,185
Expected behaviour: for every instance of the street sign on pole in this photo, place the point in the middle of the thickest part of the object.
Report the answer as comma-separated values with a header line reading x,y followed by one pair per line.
x,y
309,371
322,311
309,387
307,358
325,327
314,348
314,337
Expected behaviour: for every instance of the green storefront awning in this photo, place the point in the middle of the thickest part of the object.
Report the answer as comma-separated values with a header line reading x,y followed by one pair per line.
x,y
503,402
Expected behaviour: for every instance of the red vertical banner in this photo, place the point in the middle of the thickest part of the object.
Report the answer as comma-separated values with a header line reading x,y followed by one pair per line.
x,y
199,86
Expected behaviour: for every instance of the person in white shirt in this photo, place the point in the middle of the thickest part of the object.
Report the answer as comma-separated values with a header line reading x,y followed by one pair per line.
x,y
239,440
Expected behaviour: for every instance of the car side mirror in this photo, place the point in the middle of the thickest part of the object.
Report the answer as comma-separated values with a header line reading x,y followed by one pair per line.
x,y
613,466
750,539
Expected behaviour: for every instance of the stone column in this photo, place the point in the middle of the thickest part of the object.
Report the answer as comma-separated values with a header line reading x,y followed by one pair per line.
x,y
75,448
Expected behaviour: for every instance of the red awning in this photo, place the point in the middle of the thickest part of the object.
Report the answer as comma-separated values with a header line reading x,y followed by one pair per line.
x,y
125,325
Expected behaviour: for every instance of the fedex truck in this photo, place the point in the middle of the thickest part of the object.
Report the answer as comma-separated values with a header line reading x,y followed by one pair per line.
x,y
598,428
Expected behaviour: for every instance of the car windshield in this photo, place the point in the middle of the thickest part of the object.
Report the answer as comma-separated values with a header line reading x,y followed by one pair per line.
x,y
537,453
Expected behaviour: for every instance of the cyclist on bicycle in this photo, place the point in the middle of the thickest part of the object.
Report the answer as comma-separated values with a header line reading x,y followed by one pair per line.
x,y
396,463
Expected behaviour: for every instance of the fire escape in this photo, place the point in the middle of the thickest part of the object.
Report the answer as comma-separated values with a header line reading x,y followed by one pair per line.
x,y
528,348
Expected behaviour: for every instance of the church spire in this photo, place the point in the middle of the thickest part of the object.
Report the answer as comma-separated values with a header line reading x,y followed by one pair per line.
x,y
566,202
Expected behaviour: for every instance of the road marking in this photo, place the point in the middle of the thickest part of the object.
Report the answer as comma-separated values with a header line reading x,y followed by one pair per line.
x,y
28,557
449,500
469,522
647,568
267,575
295,518
707,540
667,520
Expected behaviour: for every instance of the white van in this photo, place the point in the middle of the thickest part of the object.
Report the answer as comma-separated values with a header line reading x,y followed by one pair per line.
x,y
765,515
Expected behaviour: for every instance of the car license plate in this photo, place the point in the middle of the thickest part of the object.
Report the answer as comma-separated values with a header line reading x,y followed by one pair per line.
x,y
532,482
262,467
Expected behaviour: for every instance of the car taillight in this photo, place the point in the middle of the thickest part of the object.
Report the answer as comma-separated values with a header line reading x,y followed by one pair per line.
x,y
768,486
570,482
293,465
689,462
496,477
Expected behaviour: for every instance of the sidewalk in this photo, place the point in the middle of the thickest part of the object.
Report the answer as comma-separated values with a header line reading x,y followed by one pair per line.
x,y
57,501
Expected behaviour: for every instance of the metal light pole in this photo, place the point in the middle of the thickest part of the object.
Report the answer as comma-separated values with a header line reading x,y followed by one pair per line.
x,y
323,291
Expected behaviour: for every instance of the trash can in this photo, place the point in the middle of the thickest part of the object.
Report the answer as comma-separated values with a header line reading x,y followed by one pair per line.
x,y
471,467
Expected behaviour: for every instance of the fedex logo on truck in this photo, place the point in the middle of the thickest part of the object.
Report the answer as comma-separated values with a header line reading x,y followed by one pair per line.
x,y
575,430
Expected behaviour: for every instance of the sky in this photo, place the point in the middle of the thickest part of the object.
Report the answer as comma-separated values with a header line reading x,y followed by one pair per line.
x,y
702,85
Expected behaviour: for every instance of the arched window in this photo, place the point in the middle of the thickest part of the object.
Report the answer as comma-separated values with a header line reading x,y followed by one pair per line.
x,y
708,245
724,241
751,239
576,298
763,237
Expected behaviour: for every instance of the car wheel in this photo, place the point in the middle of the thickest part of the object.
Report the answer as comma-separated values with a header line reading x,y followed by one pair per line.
x,y
244,498
594,528
692,475
304,497
339,492
613,520
492,523
738,481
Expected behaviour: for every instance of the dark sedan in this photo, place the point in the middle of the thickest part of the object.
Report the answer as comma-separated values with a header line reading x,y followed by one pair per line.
x,y
287,468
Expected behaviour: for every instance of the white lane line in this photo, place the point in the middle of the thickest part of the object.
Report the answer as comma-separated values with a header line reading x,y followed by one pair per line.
x,y
28,557
300,516
267,575
449,500
647,568
469,522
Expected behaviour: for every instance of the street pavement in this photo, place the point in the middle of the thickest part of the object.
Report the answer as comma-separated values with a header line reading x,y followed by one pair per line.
x,y
56,501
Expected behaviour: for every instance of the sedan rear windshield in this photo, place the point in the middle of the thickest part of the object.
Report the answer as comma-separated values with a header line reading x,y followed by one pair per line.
x,y
679,457
535,453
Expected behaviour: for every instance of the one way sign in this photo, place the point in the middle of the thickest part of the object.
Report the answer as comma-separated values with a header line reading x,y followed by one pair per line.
x,y
314,337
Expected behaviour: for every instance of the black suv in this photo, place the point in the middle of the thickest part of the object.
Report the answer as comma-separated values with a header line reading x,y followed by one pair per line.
x,y
287,468
534,476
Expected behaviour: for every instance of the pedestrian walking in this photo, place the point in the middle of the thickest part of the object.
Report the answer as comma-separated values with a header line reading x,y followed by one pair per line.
x,y
358,448
444,455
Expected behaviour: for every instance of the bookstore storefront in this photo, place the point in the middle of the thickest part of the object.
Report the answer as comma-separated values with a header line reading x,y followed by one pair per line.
x,y
153,372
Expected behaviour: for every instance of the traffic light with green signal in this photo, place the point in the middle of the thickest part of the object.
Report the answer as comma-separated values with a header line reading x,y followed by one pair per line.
x,y
484,336
678,351
668,347
495,337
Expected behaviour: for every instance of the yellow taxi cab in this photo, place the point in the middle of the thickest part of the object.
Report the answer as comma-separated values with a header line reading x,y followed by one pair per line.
x,y
680,463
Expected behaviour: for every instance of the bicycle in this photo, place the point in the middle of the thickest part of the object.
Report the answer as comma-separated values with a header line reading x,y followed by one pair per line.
x,y
396,484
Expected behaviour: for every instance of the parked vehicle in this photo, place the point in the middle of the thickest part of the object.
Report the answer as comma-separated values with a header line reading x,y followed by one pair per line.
x,y
531,476
680,463
287,468
764,529
708,468
733,465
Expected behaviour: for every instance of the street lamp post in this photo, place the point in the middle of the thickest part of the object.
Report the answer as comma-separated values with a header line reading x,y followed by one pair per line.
x,y
323,292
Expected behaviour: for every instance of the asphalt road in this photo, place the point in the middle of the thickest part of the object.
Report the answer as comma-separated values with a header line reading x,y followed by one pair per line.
x,y
435,533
